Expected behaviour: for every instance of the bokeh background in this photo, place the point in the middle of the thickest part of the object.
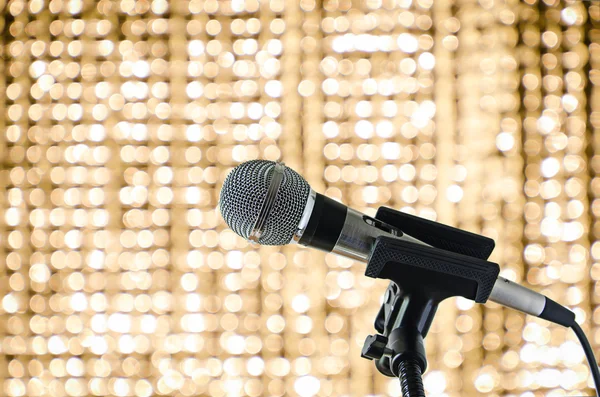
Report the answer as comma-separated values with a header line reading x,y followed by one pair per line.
x,y
120,120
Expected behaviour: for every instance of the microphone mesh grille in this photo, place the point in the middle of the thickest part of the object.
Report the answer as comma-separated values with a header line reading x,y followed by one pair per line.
x,y
244,192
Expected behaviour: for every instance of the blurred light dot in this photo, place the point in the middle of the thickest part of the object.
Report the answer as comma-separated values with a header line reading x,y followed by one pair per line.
x,y
505,141
454,193
307,386
550,167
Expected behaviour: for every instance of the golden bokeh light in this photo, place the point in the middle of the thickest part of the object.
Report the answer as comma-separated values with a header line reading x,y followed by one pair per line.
x,y
121,120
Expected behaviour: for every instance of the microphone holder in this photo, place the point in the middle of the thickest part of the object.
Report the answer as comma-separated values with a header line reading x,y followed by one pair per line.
x,y
420,278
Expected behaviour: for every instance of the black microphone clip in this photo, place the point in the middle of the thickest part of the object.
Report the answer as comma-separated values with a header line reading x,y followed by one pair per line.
x,y
421,277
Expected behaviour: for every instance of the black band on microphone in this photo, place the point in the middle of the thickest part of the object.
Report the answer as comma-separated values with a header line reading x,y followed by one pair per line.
x,y
557,313
325,224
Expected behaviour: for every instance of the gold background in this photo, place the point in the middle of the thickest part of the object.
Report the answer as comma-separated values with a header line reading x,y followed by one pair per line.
x,y
121,119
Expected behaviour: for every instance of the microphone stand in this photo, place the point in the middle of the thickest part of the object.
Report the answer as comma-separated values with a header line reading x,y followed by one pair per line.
x,y
403,321
421,277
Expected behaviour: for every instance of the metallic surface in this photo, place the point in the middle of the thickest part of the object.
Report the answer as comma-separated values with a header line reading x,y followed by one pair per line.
x,y
357,237
310,203
515,296
244,192
267,206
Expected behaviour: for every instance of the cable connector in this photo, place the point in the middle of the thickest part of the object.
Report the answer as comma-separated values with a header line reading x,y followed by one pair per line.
x,y
557,313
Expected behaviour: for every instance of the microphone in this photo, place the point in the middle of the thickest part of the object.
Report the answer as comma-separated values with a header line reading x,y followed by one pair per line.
x,y
268,203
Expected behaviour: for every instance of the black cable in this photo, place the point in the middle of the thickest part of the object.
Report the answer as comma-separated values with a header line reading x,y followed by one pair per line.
x,y
589,354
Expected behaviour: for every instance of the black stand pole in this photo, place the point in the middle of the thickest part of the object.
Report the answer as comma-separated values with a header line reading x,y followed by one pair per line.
x,y
453,264
410,379
408,361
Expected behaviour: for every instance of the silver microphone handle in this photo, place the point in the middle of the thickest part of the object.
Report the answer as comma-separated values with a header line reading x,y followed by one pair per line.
x,y
356,242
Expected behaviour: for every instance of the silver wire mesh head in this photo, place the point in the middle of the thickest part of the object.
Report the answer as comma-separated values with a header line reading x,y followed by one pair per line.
x,y
244,192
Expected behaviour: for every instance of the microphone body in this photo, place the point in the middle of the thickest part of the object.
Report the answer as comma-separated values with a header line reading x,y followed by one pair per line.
x,y
333,227
289,211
